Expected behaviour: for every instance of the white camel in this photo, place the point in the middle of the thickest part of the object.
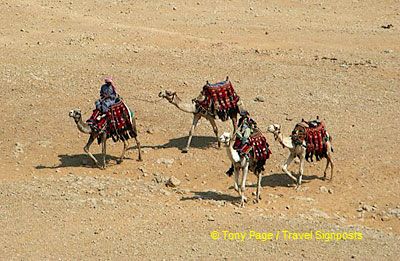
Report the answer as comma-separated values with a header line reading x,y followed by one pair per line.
x,y
299,150
173,98
85,128
241,163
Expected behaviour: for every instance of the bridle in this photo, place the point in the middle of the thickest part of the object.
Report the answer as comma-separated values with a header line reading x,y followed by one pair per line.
x,y
276,133
77,116
170,99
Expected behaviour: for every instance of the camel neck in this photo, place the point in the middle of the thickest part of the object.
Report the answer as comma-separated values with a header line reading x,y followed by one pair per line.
x,y
186,107
83,127
279,138
232,153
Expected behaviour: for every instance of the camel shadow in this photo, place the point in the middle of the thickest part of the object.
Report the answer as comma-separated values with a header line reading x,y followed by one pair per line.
x,y
210,195
282,180
199,142
79,160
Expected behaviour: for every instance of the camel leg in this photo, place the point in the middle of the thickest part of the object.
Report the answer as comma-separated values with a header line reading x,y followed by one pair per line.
x,y
329,160
234,123
326,167
286,164
121,158
259,177
301,169
139,149
237,172
104,149
87,149
196,119
329,156
215,129
245,170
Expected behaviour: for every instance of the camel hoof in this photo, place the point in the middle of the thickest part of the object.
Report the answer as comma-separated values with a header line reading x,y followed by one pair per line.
x,y
140,159
185,150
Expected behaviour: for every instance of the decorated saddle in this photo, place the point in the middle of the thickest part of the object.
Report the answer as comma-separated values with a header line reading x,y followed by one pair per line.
x,y
219,98
257,147
314,135
116,123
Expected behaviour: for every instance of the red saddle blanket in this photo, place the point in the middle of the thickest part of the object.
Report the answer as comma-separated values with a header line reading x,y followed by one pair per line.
x,y
219,98
313,133
315,138
117,122
257,146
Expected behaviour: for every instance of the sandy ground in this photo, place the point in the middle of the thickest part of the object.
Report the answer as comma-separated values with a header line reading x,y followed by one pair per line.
x,y
338,60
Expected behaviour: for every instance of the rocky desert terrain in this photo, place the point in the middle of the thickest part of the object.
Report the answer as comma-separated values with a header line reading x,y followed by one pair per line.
x,y
287,60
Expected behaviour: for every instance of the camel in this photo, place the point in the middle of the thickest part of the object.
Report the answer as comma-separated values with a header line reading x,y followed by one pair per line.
x,y
173,98
85,128
241,163
299,150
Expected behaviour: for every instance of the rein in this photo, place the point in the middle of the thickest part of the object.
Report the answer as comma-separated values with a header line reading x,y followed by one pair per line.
x,y
173,98
139,99
276,135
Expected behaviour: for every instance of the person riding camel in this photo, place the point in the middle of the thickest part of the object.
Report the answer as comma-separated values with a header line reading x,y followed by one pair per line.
x,y
246,127
108,96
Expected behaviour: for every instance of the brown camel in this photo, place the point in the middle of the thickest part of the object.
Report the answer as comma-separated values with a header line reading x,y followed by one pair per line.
x,y
299,150
173,98
85,128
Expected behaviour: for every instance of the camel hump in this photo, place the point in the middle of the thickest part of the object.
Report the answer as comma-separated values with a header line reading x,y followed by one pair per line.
x,y
116,123
288,142
303,124
219,99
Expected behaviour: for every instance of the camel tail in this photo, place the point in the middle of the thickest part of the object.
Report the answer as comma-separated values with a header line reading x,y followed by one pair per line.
x,y
330,141
240,103
133,131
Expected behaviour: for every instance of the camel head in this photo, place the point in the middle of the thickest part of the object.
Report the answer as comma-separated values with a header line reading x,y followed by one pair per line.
x,y
225,137
169,95
274,128
76,114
